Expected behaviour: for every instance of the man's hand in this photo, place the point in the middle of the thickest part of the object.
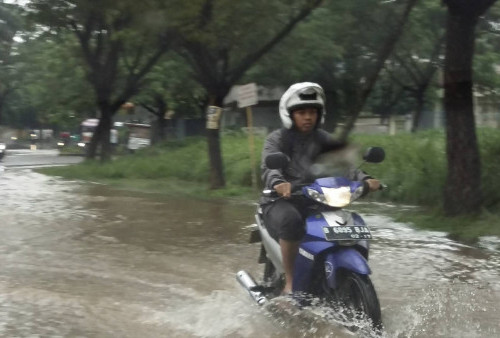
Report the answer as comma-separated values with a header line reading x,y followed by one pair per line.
x,y
284,189
373,184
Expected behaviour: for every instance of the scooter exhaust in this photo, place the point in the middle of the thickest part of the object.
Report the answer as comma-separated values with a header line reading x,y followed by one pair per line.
x,y
247,281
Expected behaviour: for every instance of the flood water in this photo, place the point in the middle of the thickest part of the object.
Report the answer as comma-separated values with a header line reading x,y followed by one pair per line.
x,y
86,260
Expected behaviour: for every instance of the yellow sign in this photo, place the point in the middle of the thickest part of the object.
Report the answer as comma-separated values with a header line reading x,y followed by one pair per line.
x,y
213,117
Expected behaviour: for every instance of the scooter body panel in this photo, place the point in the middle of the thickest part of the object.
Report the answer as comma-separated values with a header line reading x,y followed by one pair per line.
x,y
314,249
347,258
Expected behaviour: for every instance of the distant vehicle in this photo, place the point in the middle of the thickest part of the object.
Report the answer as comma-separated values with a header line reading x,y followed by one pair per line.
x,y
43,134
3,148
87,129
34,135
64,139
139,136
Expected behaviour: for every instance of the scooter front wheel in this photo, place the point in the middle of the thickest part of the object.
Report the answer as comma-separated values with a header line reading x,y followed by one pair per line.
x,y
357,297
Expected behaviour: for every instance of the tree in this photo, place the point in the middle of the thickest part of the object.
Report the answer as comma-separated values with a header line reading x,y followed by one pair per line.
x,y
59,98
222,39
388,98
170,86
418,55
340,50
10,24
119,42
462,193
366,84
485,76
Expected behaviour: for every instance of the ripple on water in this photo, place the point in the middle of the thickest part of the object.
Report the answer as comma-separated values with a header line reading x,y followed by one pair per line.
x,y
87,260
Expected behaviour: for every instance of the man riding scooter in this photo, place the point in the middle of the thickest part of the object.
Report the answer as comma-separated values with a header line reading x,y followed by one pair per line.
x,y
302,111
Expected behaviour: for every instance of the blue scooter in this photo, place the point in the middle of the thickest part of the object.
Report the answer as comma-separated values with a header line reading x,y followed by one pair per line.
x,y
332,263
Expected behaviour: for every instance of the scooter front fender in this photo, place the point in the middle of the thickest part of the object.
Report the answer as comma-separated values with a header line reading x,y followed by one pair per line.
x,y
345,258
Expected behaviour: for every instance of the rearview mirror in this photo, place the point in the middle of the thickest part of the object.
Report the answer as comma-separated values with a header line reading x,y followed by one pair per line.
x,y
374,155
277,161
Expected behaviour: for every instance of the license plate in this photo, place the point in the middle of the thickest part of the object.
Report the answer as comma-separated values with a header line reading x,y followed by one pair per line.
x,y
345,233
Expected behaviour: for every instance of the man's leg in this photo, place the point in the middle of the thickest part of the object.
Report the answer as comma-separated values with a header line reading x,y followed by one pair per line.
x,y
289,250
286,221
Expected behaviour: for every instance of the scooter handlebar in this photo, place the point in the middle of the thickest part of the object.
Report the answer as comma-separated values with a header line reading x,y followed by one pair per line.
x,y
296,191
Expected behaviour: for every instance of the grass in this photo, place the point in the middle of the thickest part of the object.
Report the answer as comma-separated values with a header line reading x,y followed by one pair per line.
x,y
72,150
465,229
414,170
415,166
184,163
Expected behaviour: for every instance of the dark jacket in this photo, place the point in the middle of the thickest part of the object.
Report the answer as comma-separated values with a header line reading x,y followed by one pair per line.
x,y
302,150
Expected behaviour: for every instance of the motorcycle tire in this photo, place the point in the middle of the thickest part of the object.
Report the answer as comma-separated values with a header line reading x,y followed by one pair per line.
x,y
357,294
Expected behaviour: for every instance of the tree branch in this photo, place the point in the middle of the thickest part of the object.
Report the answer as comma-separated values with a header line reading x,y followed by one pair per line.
x,y
206,13
397,80
408,69
133,80
252,58
147,107
431,69
382,56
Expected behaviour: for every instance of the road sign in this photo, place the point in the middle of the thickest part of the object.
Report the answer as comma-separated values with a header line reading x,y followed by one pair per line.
x,y
247,95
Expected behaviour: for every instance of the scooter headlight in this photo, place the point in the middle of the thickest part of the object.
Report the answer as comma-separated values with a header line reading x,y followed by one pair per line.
x,y
2,146
315,195
337,197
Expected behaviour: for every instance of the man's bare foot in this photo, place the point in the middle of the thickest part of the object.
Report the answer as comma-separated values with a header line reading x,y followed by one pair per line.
x,y
287,290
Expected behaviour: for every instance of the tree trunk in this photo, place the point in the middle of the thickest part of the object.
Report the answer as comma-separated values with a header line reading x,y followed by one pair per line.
x,y
462,193
160,129
1,108
106,121
217,180
420,97
94,143
162,109
101,136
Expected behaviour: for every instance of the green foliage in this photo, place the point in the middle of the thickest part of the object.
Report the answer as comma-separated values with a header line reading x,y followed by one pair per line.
x,y
60,98
466,229
182,160
337,47
414,168
489,146
172,82
10,26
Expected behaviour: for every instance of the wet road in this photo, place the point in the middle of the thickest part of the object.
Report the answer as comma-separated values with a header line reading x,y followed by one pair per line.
x,y
84,260
35,158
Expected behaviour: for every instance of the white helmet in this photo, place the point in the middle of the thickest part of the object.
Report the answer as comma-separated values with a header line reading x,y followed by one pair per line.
x,y
299,95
